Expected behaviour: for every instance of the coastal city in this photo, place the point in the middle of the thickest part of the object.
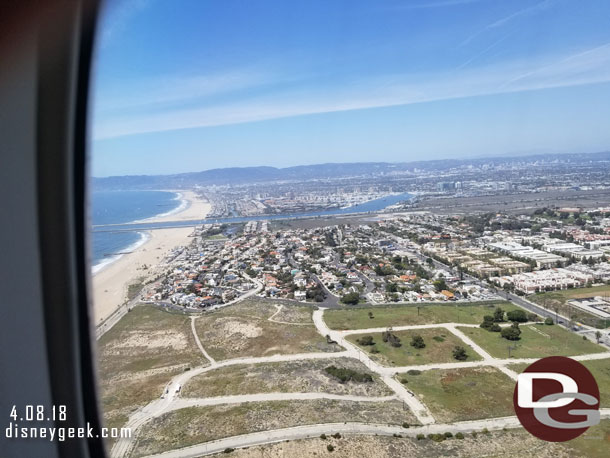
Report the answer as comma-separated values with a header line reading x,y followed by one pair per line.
x,y
407,320
417,257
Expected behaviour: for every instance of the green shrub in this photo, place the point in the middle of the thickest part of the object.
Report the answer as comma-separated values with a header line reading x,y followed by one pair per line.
x,y
330,447
347,375
390,338
512,332
413,372
448,435
365,340
517,315
459,353
549,321
459,436
418,341
436,437
420,437
405,425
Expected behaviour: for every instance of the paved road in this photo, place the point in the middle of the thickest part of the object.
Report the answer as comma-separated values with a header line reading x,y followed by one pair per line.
x,y
279,309
330,300
313,431
181,403
198,342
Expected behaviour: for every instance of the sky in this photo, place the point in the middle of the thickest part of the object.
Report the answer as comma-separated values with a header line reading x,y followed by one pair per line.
x,y
190,85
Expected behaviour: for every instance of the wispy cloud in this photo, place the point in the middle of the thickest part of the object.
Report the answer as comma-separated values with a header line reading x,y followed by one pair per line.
x,y
587,67
538,7
164,91
484,52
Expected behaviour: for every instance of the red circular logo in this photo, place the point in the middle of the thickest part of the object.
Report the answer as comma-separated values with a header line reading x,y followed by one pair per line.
x,y
556,399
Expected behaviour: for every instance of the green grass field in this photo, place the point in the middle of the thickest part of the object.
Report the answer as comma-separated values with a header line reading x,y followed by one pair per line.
x,y
559,300
537,341
463,394
594,443
401,315
435,351
600,368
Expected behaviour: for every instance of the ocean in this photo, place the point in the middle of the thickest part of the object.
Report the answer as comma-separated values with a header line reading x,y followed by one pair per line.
x,y
120,207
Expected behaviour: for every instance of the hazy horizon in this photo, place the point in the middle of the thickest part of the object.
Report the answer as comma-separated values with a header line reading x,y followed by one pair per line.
x,y
474,158
241,84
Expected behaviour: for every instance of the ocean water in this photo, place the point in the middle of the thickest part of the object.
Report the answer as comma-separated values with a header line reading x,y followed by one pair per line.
x,y
119,207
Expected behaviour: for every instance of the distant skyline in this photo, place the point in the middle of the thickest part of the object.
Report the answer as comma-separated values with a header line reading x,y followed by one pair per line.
x,y
196,85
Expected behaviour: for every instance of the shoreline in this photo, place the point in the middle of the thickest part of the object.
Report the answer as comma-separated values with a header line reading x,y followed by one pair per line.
x,y
111,280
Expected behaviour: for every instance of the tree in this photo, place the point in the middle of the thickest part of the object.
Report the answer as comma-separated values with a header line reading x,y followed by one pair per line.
x,y
512,332
549,321
351,298
459,353
495,328
488,321
440,284
365,340
598,336
498,315
517,316
418,341
371,315
390,338
391,287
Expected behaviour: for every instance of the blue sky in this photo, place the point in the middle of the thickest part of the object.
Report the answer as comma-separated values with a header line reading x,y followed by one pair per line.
x,y
189,85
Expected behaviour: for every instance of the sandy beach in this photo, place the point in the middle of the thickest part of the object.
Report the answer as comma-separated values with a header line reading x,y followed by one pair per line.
x,y
110,284
196,208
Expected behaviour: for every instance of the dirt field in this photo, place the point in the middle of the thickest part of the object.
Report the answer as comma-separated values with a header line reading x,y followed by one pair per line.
x,y
292,313
199,424
287,377
139,355
245,330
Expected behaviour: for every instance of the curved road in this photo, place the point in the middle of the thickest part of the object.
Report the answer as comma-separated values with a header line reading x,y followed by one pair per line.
x,y
312,431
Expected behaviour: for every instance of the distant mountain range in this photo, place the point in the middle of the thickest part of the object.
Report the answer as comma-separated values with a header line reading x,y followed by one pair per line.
x,y
244,175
